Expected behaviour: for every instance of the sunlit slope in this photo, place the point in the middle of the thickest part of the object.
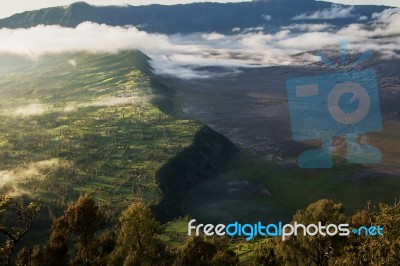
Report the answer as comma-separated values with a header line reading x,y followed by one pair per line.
x,y
91,123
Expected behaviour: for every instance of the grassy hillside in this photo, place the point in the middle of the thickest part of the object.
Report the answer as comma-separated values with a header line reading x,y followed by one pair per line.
x,y
99,124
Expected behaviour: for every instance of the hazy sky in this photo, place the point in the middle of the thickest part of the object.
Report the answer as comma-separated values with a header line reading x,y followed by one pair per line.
x,y
10,7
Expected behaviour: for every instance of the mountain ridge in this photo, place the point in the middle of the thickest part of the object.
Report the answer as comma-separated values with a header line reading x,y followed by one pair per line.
x,y
185,18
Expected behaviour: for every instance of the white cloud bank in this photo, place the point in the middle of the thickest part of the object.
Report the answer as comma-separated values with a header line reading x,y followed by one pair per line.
x,y
183,55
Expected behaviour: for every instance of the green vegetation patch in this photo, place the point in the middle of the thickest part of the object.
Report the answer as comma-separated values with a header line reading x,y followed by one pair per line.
x,y
93,116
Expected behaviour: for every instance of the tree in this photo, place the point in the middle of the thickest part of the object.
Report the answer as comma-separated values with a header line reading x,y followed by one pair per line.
x,y
79,224
376,250
23,257
206,251
265,254
318,249
31,257
16,220
37,258
105,244
83,219
197,252
56,250
137,240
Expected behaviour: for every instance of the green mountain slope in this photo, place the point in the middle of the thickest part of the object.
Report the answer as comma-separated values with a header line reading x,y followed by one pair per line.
x,y
93,123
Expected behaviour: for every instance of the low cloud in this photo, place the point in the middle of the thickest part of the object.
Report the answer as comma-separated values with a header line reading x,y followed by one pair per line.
x,y
72,62
70,108
37,109
113,101
333,12
35,170
308,27
267,17
32,109
108,101
253,29
213,36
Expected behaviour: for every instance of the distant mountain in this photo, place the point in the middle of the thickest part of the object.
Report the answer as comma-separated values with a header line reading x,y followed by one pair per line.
x,y
197,17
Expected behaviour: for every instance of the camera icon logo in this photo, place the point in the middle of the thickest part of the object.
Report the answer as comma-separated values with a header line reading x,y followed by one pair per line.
x,y
327,106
